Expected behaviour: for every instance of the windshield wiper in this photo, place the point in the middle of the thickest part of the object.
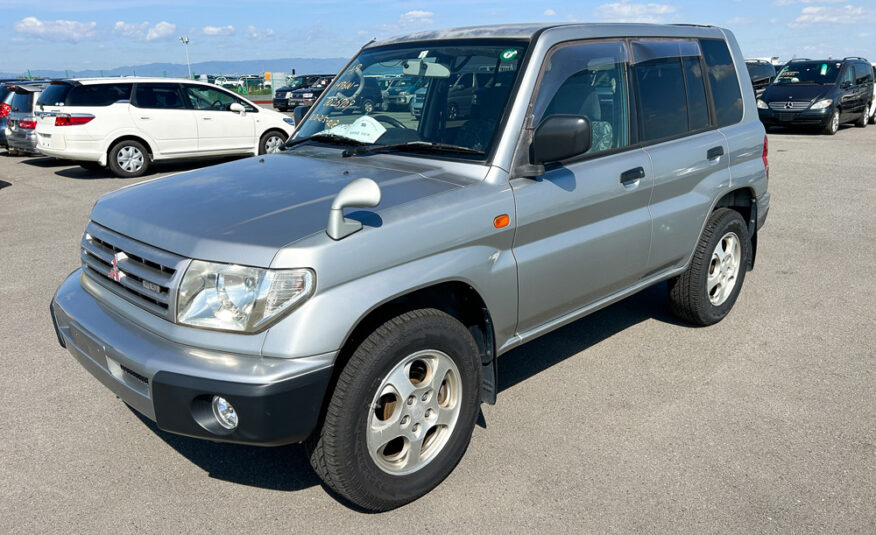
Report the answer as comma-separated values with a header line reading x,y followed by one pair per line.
x,y
333,139
412,146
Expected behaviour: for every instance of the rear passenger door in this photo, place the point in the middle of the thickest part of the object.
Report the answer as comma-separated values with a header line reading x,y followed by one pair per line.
x,y
220,129
583,228
677,124
159,111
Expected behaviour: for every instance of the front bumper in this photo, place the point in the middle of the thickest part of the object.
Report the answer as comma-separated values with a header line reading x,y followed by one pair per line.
x,y
795,118
292,103
278,401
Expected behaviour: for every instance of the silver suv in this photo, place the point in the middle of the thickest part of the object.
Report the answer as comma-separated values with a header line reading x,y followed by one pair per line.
x,y
354,291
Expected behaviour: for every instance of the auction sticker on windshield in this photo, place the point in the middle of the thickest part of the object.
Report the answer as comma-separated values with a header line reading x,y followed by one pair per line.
x,y
509,54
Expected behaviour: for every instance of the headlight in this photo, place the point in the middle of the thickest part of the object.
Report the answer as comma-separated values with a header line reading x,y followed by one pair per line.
x,y
229,297
307,95
821,104
762,105
289,120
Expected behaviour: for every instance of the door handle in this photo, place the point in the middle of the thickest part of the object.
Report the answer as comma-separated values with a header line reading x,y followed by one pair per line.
x,y
715,152
145,118
632,175
206,118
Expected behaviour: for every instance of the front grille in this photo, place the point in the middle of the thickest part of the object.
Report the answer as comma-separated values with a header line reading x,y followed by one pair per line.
x,y
794,105
140,273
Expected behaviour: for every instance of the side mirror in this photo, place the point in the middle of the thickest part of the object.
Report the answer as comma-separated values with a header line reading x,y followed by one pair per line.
x,y
360,193
237,107
299,113
559,137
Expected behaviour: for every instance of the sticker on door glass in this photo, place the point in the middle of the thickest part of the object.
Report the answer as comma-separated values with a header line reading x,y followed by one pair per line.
x,y
823,69
508,55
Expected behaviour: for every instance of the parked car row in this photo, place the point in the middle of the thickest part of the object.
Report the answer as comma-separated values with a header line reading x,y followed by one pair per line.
x,y
125,124
818,93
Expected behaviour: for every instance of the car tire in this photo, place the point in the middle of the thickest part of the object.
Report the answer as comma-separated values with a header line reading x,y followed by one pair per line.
x,y
864,119
272,142
832,126
368,106
128,159
416,370
707,290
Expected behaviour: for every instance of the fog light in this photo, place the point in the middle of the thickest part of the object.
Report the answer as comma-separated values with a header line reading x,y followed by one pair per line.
x,y
224,413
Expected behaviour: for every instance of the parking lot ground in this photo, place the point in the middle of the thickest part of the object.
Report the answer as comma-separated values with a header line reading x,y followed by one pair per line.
x,y
627,420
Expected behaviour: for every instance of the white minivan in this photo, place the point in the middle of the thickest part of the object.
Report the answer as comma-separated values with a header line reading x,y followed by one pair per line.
x,y
127,123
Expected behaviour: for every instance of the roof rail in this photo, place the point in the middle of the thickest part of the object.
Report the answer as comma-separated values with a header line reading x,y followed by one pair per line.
x,y
855,57
695,25
799,59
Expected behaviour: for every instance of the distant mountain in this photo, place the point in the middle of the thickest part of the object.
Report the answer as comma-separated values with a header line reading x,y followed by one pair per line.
x,y
252,66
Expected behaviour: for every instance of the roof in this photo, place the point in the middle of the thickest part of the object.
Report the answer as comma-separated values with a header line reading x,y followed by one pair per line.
x,y
525,31
127,79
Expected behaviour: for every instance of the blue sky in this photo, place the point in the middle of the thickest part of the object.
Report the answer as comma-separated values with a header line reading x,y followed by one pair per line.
x,y
102,34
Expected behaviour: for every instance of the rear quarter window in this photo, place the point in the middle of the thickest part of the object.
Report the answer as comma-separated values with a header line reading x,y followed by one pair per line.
x,y
726,94
98,94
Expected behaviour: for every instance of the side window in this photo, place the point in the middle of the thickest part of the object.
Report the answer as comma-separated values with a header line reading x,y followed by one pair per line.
x,y
723,81
206,98
98,94
849,75
588,80
158,96
695,87
661,100
863,73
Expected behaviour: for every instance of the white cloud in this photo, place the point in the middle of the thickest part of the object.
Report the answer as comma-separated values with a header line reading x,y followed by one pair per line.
x,y
847,14
624,11
57,30
218,30
259,34
550,12
415,18
144,30
162,30
740,20
131,29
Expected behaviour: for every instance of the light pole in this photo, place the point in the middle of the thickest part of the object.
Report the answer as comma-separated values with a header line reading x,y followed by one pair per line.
x,y
185,41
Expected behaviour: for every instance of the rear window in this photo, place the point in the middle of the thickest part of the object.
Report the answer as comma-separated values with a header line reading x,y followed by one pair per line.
x,y
662,103
726,94
98,94
54,95
4,92
22,102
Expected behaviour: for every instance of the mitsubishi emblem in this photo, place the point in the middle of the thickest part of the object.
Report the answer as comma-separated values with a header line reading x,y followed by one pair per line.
x,y
115,273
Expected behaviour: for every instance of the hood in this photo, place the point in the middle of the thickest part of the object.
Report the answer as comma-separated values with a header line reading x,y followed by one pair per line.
x,y
804,92
243,212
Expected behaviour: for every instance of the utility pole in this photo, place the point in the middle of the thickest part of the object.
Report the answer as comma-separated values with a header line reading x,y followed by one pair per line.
x,y
185,41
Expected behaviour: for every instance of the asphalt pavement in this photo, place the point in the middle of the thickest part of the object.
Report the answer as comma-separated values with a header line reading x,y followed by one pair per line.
x,y
625,421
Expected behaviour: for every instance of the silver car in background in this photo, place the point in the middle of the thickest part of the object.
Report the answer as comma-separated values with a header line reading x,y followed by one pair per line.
x,y
354,291
21,124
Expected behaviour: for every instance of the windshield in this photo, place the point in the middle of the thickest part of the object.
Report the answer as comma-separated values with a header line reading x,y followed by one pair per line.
x,y
809,72
460,94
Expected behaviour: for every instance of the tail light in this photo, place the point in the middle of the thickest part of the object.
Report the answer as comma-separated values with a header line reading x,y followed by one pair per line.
x,y
766,163
27,125
4,110
64,119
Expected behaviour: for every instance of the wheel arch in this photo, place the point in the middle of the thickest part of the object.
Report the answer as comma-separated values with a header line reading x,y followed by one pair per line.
x,y
454,297
744,201
131,137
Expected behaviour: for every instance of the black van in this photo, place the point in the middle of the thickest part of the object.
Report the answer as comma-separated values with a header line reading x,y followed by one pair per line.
x,y
823,93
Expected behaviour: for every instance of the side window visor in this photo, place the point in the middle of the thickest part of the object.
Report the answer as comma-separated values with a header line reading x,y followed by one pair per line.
x,y
650,49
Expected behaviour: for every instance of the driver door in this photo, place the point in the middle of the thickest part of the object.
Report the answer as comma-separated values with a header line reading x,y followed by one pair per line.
x,y
220,129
